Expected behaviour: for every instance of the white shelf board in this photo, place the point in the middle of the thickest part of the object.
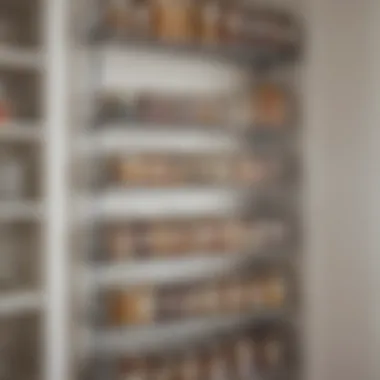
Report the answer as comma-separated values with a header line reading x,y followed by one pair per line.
x,y
20,303
160,337
21,132
157,203
192,139
171,271
20,58
11,211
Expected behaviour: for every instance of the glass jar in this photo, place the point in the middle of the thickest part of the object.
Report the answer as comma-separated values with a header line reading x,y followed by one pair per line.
x,y
270,106
175,20
119,17
211,19
232,24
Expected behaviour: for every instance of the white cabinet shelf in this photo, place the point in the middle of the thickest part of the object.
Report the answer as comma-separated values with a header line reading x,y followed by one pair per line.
x,y
18,58
195,139
19,303
157,203
21,132
14,211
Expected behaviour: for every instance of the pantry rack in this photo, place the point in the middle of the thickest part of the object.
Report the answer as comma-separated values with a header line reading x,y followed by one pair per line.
x,y
102,345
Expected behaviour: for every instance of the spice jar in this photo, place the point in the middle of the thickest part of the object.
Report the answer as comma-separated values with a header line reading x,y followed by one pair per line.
x,y
175,20
232,23
121,243
135,368
211,19
231,295
171,302
142,19
190,368
274,290
132,307
270,106
250,170
236,234
220,170
118,17
209,236
274,352
253,294
207,299
166,239
133,170
219,368
244,352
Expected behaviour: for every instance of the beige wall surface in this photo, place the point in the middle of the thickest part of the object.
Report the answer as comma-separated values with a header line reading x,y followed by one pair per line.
x,y
340,214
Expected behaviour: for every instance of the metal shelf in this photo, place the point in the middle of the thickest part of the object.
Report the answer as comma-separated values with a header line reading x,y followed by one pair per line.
x,y
155,338
20,58
20,303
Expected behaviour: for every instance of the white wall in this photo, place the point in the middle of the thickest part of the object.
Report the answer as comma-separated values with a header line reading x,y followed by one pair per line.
x,y
339,104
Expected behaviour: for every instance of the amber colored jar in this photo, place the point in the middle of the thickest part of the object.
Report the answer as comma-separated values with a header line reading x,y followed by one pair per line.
x,y
133,368
207,299
175,20
132,307
190,367
142,19
232,23
270,106
231,296
219,367
118,16
253,294
250,170
220,170
211,22
236,234
166,239
121,243
274,290
273,349
209,236
133,171
244,352
159,171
